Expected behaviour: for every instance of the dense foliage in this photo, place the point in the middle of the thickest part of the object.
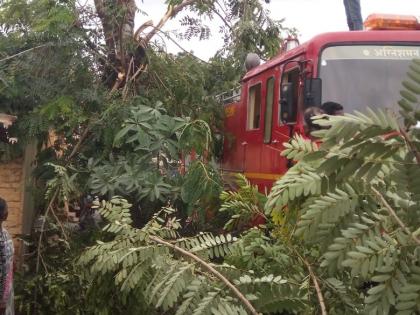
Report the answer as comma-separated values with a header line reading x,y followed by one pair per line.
x,y
113,113
159,273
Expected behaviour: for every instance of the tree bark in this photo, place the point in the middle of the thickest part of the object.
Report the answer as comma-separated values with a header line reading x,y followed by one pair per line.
x,y
125,33
110,66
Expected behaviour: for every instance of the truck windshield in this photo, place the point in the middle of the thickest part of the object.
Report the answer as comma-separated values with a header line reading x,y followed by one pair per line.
x,y
365,76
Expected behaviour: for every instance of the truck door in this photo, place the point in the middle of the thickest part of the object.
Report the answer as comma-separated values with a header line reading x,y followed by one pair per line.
x,y
272,140
253,128
287,113
261,155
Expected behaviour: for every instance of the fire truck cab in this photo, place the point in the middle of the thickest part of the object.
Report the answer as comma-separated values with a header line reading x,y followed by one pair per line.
x,y
357,69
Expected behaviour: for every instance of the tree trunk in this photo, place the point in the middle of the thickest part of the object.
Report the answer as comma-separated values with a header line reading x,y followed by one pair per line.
x,y
117,18
126,48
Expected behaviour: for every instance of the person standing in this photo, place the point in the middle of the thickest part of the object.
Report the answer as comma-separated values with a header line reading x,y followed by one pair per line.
x,y
354,15
6,265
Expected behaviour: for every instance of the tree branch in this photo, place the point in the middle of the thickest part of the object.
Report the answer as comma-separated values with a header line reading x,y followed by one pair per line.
x,y
59,222
79,143
24,52
53,199
170,13
223,9
411,145
207,266
316,284
38,259
394,215
317,288
180,47
214,10
128,79
141,29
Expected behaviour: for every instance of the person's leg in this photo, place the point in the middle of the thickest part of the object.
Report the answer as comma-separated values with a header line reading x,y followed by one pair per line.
x,y
349,21
354,14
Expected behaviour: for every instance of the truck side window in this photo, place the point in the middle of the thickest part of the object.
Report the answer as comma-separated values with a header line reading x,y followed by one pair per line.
x,y
268,117
254,107
289,97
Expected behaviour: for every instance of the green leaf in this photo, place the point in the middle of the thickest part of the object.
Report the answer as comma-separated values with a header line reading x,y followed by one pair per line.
x,y
408,96
377,289
381,278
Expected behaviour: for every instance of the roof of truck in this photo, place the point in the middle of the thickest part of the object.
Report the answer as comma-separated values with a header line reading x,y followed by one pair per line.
x,y
339,38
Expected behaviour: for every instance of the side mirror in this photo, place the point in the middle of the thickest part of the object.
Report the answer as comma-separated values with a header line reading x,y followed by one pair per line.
x,y
312,92
286,102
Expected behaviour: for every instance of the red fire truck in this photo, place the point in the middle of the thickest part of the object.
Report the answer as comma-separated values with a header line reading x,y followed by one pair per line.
x,y
356,69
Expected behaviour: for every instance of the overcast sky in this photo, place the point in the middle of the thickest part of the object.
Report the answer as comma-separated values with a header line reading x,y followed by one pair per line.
x,y
310,17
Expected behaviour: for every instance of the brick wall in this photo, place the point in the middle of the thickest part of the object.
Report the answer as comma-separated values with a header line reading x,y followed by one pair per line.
x,y
11,189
